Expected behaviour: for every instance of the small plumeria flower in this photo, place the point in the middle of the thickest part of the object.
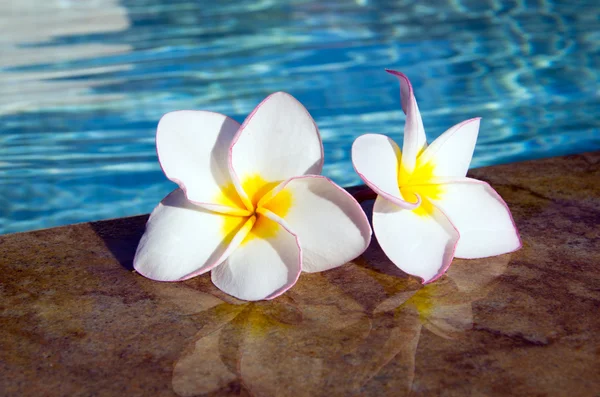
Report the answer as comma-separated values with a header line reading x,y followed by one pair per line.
x,y
251,207
427,211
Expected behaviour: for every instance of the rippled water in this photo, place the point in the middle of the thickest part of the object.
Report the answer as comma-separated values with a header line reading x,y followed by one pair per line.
x,y
83,84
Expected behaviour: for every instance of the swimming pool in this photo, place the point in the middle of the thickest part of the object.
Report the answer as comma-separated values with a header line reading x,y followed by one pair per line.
x,y
84,83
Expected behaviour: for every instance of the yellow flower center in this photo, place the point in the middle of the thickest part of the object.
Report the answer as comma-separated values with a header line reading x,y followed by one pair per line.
x,y
259,193
419,182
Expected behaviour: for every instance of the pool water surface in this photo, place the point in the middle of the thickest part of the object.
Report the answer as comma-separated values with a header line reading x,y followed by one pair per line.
x,y
84,84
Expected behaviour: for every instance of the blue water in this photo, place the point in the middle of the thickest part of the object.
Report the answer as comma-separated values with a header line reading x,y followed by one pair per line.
x,y
83,84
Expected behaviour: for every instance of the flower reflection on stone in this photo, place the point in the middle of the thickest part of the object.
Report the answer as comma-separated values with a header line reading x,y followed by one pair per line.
x,y
324,337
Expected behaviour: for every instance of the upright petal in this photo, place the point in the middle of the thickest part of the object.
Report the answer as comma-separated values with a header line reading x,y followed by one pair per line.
x,y
264,266
419,244
451,153
192,149
481,216
277,141
183,240
331,226
376,159
414,133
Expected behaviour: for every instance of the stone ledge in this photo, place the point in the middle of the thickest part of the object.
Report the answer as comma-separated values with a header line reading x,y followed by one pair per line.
x,y
76,320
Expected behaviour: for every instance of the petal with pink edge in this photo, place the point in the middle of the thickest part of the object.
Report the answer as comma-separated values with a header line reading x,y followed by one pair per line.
x,y
481,216
451,152
182,240
331,226
192,148
414,133
376,159
278,140
264,266
419,244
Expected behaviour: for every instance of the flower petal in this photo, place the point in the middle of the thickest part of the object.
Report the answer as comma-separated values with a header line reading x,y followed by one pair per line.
x,y
264,266
481,216
277,141
419,244
192,148
414,133
183,240
376,159
331,226
451,152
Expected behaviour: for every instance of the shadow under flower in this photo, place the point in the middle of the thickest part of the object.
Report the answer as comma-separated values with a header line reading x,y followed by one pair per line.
x,y
121,236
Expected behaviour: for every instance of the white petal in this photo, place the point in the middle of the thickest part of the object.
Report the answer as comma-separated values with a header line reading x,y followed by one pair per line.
x,y
451,152
481,216
414,133
183,240
264,266
278,140
331,226
419,244
376,159
193,148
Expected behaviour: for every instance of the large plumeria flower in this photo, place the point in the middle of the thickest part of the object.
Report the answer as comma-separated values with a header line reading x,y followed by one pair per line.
x,y
427,211
251,206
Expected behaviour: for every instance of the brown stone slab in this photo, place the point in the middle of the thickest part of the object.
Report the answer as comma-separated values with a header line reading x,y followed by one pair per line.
x,y
76,321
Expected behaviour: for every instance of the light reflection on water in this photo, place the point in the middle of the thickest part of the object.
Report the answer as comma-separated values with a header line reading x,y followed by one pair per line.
x,y
84,83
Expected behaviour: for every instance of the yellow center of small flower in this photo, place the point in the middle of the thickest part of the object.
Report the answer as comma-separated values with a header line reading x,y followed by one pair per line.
x,y
419,182
259,194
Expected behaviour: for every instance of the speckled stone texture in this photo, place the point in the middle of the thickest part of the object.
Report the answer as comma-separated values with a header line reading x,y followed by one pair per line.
x,y
75,320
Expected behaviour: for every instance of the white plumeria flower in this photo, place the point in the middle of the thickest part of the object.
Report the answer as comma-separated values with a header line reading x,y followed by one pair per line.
x,y
252,207
427,211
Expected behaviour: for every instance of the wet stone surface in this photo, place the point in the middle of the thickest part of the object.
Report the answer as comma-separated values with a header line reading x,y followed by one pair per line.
x,y
76,320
